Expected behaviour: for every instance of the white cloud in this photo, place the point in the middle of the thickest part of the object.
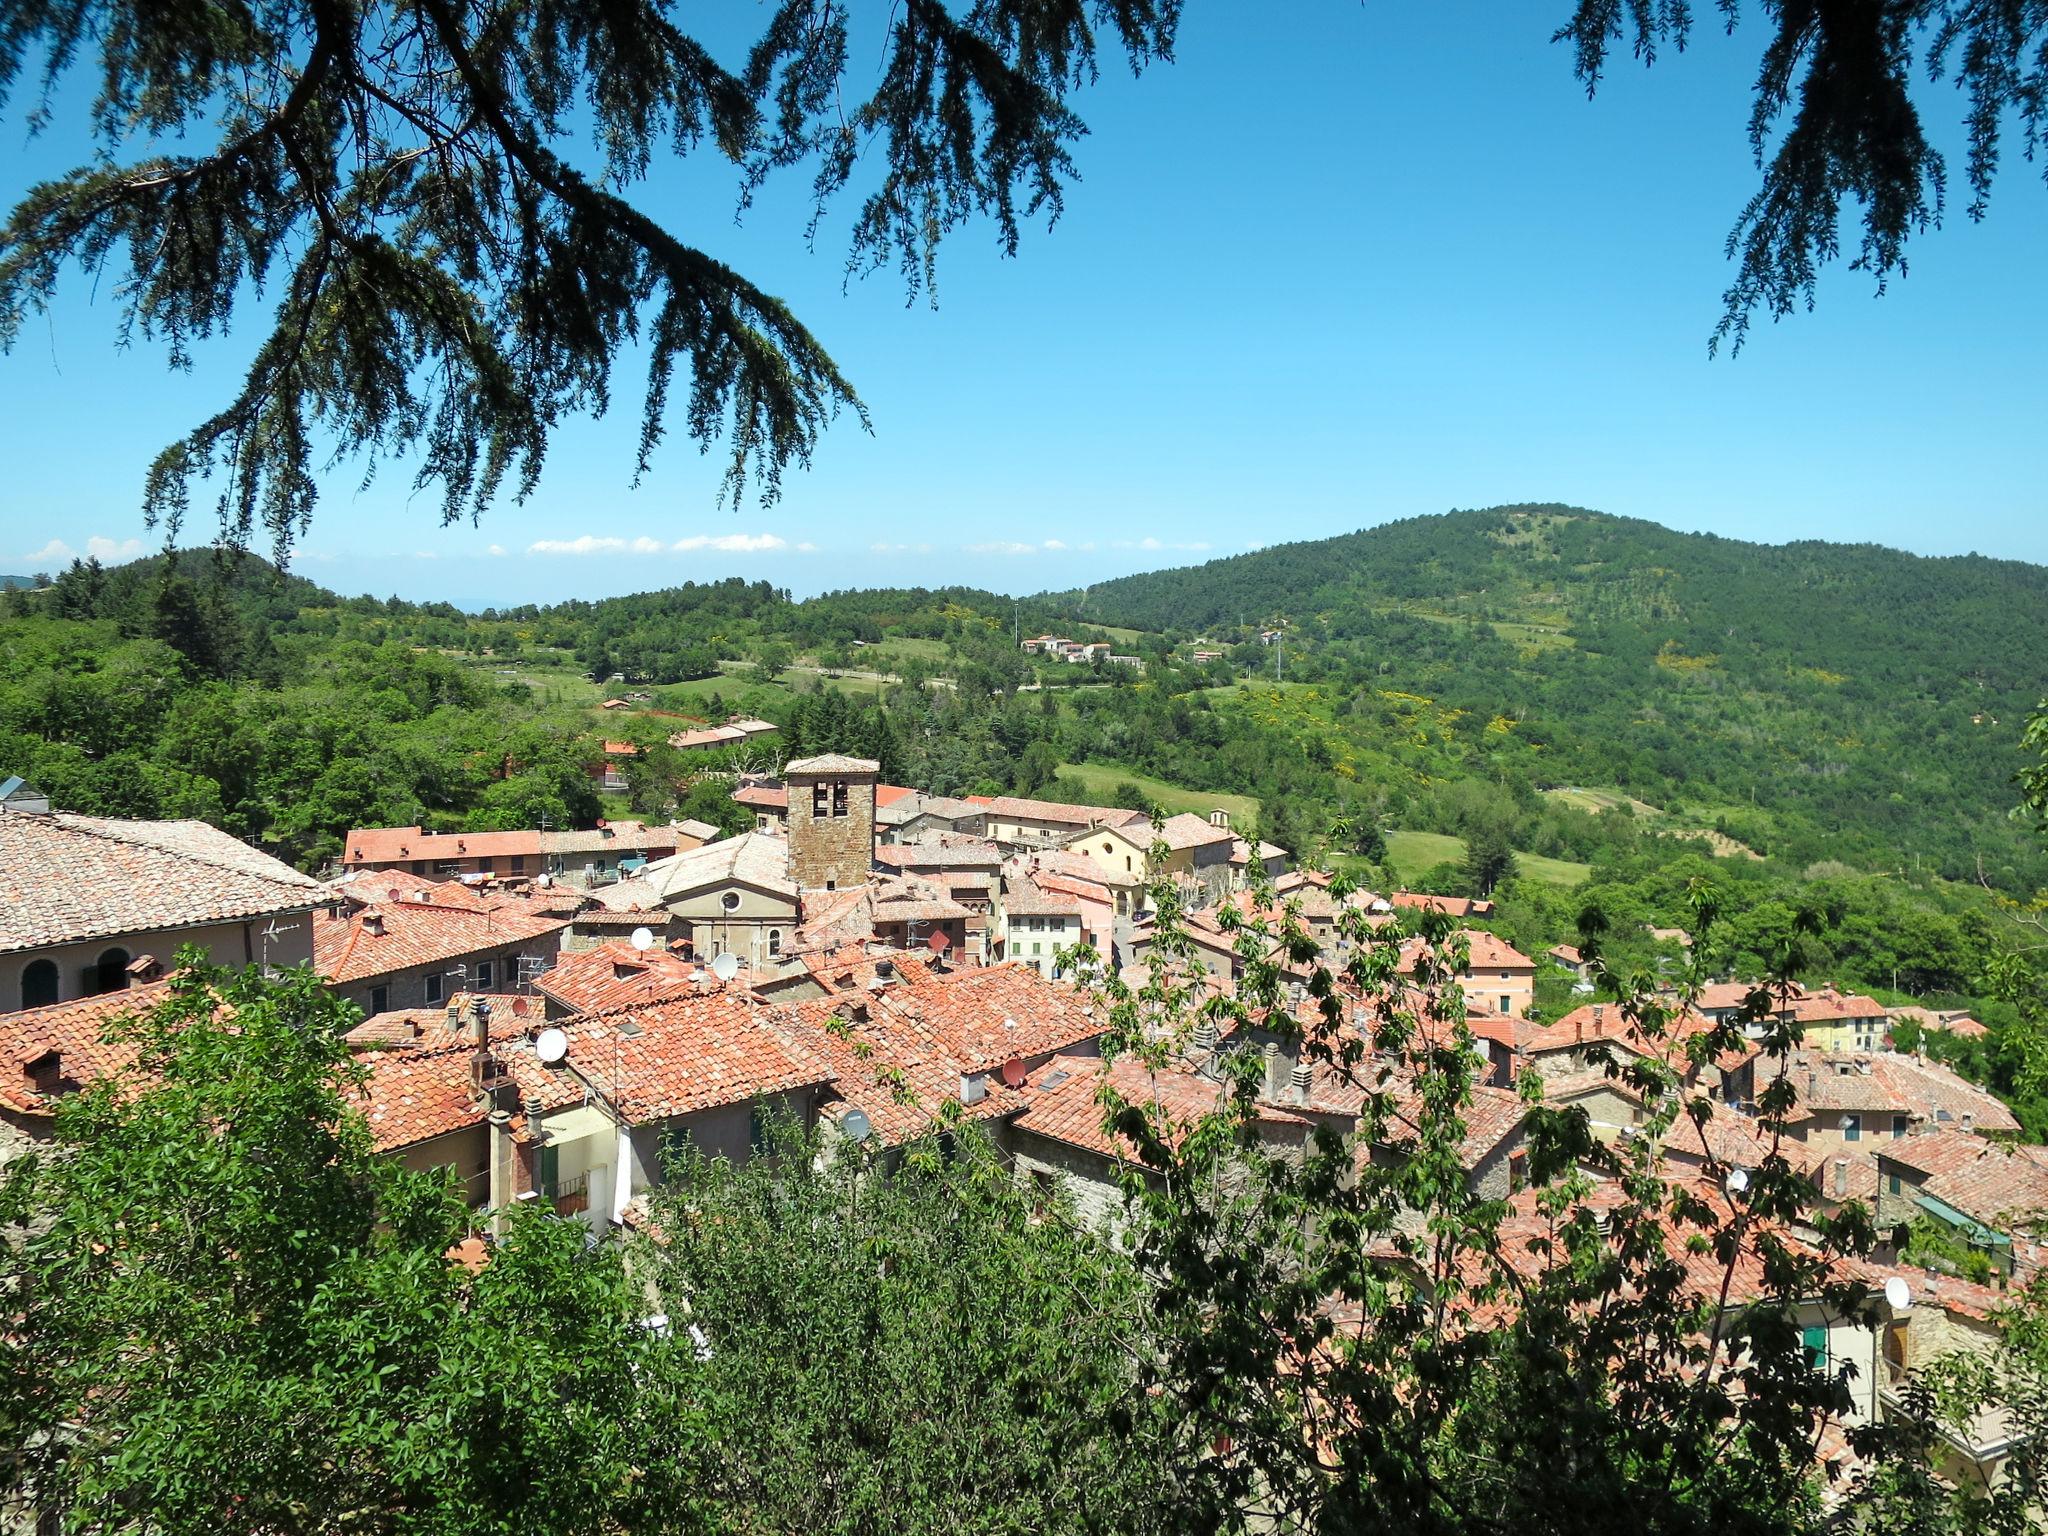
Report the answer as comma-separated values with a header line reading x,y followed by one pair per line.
x,y
1055,544
807,548
426,554
1153,545
496,551
111,549
901,549
583,544
732,543
56,552
1002,547
646,546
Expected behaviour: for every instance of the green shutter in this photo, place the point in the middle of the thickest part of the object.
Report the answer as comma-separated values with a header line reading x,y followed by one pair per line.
x,y
1815,1343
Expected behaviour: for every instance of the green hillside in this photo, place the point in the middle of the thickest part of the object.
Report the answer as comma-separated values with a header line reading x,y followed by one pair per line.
x,y
1809,700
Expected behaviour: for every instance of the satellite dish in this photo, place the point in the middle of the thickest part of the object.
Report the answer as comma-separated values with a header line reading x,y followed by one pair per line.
x,y
545,881
551,1046
726,966
1738,1180
856,1125
1899,1292
643,939
1012,1073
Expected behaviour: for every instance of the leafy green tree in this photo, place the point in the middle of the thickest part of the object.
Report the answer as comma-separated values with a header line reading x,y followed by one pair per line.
x,y
1489,858
231,1315
381,159
1128,796
710,800
907,1341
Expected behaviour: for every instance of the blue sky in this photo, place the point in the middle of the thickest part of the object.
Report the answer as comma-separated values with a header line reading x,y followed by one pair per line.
x,y
1341,264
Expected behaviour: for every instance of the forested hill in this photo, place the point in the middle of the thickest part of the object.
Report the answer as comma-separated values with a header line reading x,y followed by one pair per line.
x,y
1873,692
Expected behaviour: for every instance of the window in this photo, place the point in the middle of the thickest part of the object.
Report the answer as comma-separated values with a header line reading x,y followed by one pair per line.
x,y
380,1000
1898,1126
436,987
1814,1341
1852,1127
483,975
730,901
774,941
39,984
1892,1185
1505,1005
109,972
819,800
757,1129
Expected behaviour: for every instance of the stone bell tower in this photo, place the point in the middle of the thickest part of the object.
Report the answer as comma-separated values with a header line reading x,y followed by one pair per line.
x,y
831,820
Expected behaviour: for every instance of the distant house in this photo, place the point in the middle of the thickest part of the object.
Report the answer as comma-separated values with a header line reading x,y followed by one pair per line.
x,y
1038,924
1198,854
735,732
1497,976
1450,906
93,904
767,799
609,771
736,896
1568,956
913,815
584,856
1016,821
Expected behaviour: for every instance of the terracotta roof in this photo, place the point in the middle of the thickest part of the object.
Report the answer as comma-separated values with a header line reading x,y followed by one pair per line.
x,y
889,794
764,796
678,1056
1493,1115
76,1032
952,853
1187,830
832,762
66,878
1940,1096
614,837
390,845
1451,906
908,805
1592,1023
1028,899
345,950
1488,953
614,974
1567,953
414,1096
1995,1182
900,1053
430,1029
1020,808
1060,1101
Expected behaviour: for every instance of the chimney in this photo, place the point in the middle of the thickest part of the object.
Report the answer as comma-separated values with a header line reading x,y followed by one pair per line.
x,y
373,923
480,1024
500,1167
1301,1080
1276,1069
1599,1021
1578,1031
143,969
1204,1038
1220,819
1841,1175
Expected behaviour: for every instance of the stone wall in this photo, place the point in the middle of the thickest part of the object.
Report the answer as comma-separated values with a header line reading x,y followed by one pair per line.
x,y
836,849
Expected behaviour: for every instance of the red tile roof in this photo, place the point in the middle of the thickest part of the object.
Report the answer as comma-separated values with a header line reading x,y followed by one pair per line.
x,y
430,1029
1998,1183
76,1032
414,1096
614,974
1488,953
1020,808
414,935
763,796
1450,906
678,1056
1061,1101
889,794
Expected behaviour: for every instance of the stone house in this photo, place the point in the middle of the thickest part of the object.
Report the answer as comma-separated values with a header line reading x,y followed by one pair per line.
x,y
89,904
736,896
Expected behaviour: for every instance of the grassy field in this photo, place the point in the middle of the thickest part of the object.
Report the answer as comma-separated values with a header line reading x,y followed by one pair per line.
x,y
1416,853
1093,783
1597,800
